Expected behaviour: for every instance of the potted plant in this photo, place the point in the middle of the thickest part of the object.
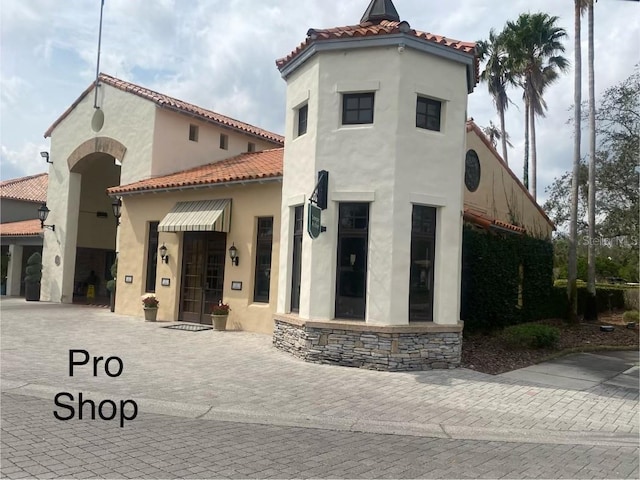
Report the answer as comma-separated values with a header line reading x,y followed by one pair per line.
x,y
150,304
219,315
32,278
111,286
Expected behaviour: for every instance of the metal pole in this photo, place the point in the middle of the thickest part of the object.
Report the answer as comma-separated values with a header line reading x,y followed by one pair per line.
x,y
95,98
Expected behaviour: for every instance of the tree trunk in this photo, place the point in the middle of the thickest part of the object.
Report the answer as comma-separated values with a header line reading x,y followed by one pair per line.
x,y
534,163
591,311
572,273
504,138
525,174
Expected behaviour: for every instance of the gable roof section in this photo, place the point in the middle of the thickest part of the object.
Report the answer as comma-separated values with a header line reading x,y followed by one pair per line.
x,y
371,29
263,165
174,104
473,127
28,189
25,228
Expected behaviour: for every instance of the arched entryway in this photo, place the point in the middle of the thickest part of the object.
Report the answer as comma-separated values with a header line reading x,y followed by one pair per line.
x,y
94,166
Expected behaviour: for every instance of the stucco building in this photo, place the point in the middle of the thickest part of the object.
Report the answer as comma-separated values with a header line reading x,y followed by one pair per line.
x,y
347,230
20,231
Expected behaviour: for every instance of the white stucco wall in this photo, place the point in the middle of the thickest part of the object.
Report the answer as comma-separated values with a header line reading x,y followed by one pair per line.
x,y
173,151
128,120
390,163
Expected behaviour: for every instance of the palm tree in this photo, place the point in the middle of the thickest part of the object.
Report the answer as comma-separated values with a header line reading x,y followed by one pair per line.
x,y
534,43
591,311
498,75
494,134
572,271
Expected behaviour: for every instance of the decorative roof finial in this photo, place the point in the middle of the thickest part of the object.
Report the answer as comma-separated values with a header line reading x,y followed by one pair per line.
x,y
379,10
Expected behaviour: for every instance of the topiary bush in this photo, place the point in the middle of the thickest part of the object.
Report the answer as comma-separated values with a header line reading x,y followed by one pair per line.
x,y
33,272
531,335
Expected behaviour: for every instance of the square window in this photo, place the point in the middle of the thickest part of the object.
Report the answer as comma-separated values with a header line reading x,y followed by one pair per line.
x,y
357,108
224,141
428,114
303,113
193,133
251,147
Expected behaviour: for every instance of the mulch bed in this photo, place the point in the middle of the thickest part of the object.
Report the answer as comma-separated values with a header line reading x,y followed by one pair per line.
x,y
487,353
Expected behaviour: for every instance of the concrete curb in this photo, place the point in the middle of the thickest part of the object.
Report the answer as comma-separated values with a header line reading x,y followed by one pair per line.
x,y
352,424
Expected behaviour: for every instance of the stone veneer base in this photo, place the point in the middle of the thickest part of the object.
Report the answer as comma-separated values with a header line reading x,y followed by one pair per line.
x,y
422,346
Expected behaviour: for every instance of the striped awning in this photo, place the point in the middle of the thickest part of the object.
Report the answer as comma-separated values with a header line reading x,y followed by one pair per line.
x,y
200,216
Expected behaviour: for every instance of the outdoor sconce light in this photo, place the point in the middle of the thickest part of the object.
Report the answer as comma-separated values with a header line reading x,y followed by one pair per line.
x,y
116,205
43,213
233,254
45,155
163,254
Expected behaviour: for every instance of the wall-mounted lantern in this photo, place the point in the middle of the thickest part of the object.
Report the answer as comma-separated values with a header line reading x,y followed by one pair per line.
x,y
233,255
116,205
43,213
45,155
163,254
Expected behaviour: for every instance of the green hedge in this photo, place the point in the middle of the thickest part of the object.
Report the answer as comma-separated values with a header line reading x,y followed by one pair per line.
x,y
491,278
531,335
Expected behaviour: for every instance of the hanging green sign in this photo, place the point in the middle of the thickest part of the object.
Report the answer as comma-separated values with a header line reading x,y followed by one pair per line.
x,y
313,221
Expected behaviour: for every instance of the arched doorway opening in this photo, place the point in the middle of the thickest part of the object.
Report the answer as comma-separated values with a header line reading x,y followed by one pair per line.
x,y
95,168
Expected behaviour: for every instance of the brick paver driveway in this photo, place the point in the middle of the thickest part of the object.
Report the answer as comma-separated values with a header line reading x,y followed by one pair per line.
x,y
200,385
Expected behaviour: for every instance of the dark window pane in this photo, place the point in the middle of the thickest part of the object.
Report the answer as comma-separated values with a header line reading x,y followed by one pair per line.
x,y
351,116
423,235
352,103
264,243
302,120
422,106
152,257
357,108
428,114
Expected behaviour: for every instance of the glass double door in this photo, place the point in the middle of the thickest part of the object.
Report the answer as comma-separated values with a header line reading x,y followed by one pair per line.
x,y
202,275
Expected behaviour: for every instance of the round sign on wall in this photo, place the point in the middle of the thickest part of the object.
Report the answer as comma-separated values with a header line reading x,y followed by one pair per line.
x,y
472,171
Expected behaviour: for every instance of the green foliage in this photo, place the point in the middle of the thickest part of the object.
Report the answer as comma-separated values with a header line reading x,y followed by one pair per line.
x,y
4,267
33,272
617,172
631,316
608,298
531,335
111,284
491,269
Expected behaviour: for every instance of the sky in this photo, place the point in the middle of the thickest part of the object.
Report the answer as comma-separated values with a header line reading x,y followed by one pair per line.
x,y
220,55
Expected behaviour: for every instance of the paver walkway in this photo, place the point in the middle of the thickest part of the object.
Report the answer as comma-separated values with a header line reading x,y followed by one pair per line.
x,y
233,376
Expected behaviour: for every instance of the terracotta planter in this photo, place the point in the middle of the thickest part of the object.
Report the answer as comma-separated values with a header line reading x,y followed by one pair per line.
x,y
150,314
219,322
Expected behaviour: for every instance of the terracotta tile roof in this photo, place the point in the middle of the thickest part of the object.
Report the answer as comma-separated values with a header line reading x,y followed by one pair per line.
x,y
473,127
25,228
166,101
29,189
487,222
248,166
370,29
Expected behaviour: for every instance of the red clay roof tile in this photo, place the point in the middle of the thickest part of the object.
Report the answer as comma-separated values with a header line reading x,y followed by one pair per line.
x,y
29,189
385,27
247,166
25,228
174,104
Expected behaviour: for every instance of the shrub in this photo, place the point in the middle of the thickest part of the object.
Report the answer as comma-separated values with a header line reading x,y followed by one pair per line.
x,y
33,272
631,316
531,335
111,284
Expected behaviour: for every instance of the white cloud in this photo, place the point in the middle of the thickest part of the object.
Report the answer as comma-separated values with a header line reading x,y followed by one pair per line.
x,y
25,161
221,54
